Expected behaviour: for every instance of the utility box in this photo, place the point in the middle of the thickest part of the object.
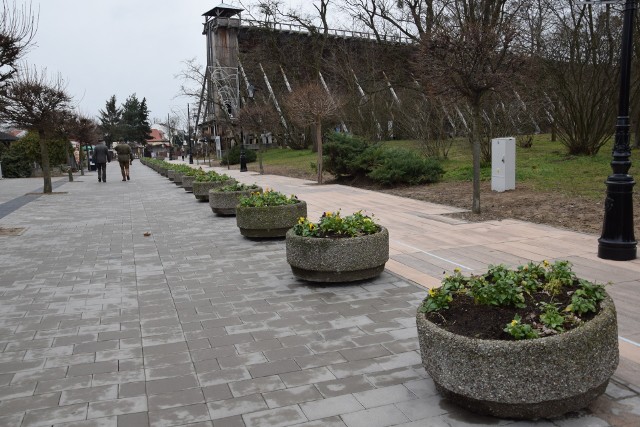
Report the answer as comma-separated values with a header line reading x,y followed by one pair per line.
x,y
503,164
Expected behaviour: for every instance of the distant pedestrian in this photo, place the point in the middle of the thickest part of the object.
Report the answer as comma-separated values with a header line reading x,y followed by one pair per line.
x,y
101,158
125,157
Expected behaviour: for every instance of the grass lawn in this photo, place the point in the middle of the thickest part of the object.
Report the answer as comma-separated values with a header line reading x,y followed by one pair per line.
x,y
545,166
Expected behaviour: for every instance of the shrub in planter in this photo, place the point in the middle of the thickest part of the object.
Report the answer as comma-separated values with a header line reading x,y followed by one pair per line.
x,y
188,177
223,200
268,214
337,249
209,181
534,342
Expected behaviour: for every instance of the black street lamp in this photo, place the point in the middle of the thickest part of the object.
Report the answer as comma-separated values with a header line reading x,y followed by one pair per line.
x,y
617,241
189,131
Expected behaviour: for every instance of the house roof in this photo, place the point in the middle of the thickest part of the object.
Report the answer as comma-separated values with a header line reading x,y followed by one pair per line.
x,y
156,135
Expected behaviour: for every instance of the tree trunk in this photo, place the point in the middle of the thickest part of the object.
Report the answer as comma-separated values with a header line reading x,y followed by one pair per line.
x,y
319,144
44,161
476,150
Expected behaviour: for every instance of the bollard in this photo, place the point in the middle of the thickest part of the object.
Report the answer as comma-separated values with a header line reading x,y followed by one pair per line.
x,y
243,160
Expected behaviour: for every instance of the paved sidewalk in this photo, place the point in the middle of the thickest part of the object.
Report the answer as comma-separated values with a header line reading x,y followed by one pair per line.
x,y
131,304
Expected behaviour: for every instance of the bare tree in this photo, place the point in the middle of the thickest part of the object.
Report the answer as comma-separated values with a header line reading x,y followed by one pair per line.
x,y
35,102
18,26
470,55
311,105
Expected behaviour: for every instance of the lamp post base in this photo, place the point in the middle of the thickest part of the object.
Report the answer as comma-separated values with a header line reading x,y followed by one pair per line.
x,y
617,241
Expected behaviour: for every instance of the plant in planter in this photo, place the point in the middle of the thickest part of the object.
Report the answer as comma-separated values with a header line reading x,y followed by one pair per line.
x,y
208,181
337,249
534,342
180,170
189,177
268,214
223,200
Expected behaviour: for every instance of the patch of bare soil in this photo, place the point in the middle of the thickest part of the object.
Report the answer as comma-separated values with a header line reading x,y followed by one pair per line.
x,y
524,203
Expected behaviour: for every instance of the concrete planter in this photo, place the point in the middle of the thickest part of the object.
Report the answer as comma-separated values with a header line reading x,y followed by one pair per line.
x,y
269,221
162,170
187,182
337,260
171,174
224,203
529,379
201,189
177,179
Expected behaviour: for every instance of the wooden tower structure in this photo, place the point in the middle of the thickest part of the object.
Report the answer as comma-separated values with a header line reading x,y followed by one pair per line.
x,y
220,96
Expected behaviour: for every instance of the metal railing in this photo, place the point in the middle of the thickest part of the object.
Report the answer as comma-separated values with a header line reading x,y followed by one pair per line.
x,y
301,29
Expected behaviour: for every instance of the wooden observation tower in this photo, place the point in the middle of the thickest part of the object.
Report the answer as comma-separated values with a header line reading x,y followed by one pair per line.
x,y
220,96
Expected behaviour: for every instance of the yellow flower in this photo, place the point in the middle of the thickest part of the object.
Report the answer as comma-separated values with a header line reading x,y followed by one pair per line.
x,y
367,220
525,268
456,270
514,322
311,226
301,220
328,214
432,292
545,263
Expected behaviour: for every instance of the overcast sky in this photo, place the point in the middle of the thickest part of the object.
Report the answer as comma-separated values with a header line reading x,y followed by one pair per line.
x,y
120,47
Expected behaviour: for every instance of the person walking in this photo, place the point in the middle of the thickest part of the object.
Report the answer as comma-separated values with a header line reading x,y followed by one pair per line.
x,y
101,157
125,157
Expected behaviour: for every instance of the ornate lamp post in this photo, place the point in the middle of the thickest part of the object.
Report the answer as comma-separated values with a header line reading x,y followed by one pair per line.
x,y
617,241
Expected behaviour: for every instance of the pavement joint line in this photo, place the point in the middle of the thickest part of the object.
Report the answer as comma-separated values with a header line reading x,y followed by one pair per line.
x,y
434,256
627,340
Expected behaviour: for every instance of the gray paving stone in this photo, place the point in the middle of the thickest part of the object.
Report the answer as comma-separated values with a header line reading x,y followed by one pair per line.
x,y
235,421
58,415
323,359
256,385
63,384
307,376
168,385
182,415
127,405
23,404
241,360
224,376
93,394
96,422
361,353
217,392
177,398
92,368
279,417
344,386
329,407
273,368
291,396
384,396
236,406
382,416
132,389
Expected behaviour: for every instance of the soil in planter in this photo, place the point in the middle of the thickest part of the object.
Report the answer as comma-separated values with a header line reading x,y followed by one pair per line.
x,y
465,317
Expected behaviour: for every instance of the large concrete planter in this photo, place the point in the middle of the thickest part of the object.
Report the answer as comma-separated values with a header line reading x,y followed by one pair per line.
x,y
177,179
269,221
163,170
201,189
187,182
337,259
529,379
224,203
171,174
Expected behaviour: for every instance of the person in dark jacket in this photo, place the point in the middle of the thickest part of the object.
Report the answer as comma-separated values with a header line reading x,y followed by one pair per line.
x,y
101,157
125,157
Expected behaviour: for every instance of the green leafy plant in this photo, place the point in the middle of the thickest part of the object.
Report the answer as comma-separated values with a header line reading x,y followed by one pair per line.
x,y
238,186
551,317
549,292
332,224
212,176
267,198
520,330
500,287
